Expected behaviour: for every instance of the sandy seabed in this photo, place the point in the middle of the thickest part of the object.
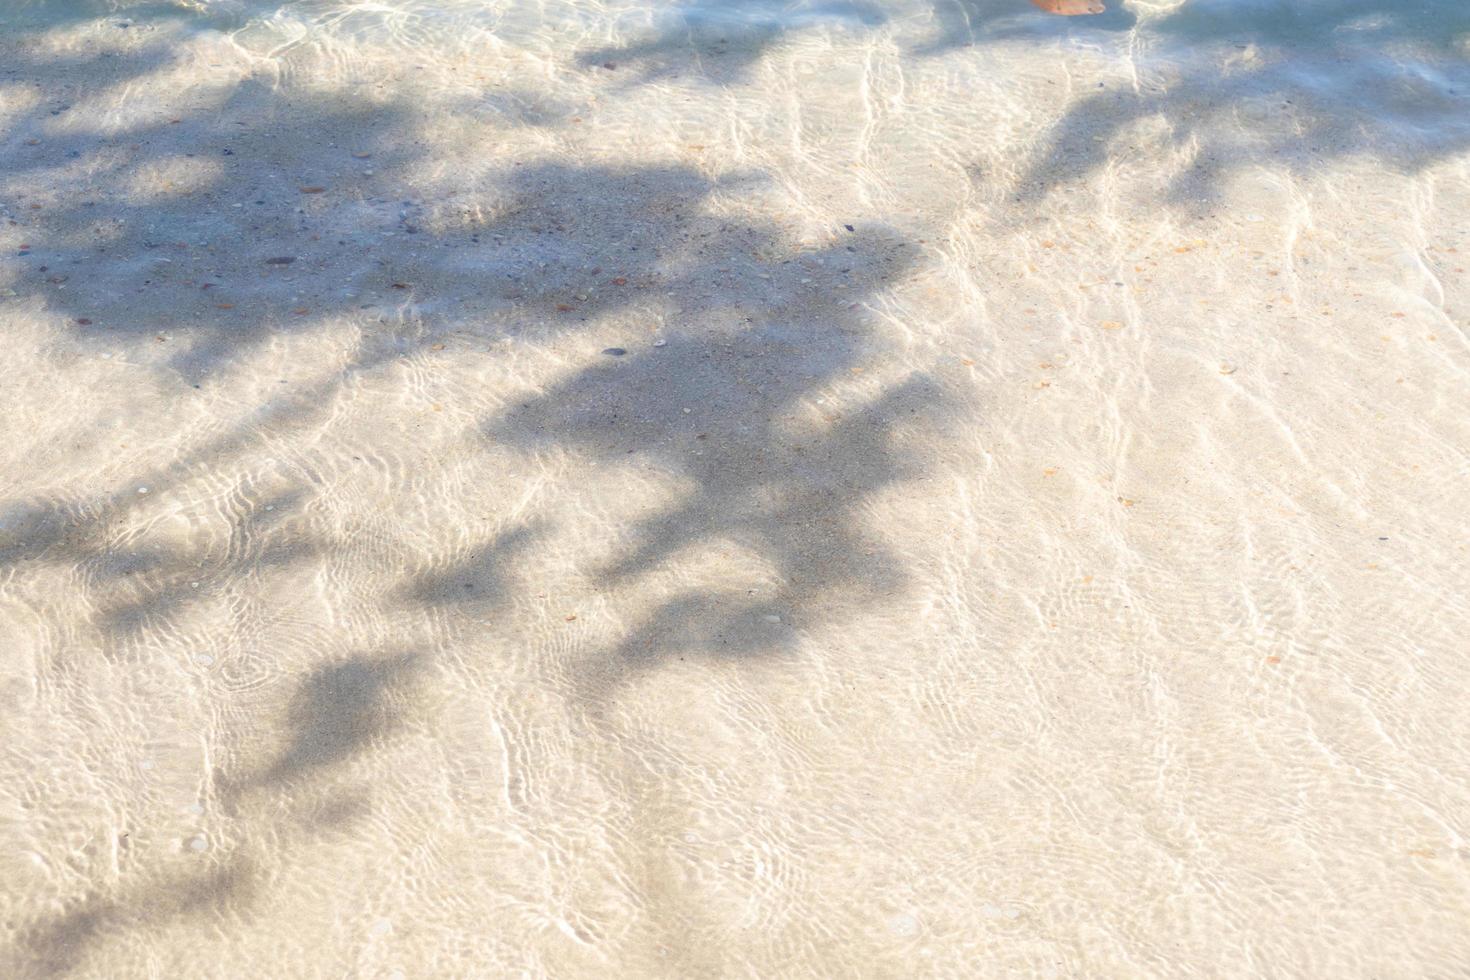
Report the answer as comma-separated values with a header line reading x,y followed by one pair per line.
x,y
910,489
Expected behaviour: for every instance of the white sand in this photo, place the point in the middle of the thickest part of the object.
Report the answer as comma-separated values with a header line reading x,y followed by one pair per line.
x,y
1059,572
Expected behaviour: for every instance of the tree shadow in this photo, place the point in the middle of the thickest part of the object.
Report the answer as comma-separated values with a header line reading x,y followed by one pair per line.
x,y
799,516
340,710
60,944
188,282
479,580
720,42
97,241
701,341
209,231
727,401
1436,23
1248,82
34,14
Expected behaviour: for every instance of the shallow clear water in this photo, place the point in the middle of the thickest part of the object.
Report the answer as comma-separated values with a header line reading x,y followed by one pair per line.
x,y
711,489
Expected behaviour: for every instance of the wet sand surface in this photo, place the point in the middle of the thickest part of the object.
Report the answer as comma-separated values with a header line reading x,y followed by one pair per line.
x,y
832,489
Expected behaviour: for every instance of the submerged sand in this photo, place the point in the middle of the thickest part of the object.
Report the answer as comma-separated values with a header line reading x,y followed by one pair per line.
x,y
821,490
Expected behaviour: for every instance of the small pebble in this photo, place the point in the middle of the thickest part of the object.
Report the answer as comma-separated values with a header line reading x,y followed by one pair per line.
x,y
198,844
614,351
771,618
142,489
